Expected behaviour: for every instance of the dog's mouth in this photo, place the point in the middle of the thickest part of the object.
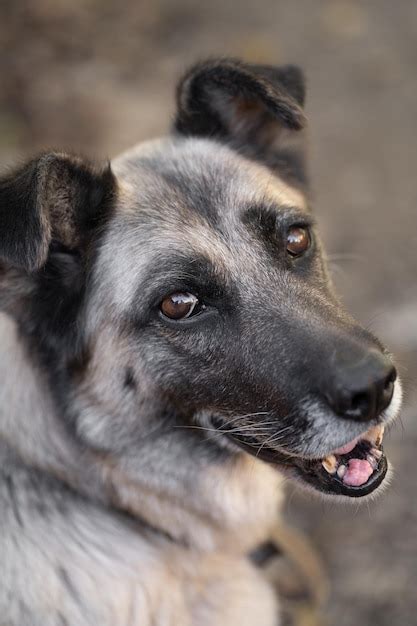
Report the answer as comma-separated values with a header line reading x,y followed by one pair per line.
x,y
354,470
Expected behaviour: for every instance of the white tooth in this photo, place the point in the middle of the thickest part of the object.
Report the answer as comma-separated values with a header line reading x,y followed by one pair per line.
x,y
341,471
380,436
372,461
376,453
375,435
330,464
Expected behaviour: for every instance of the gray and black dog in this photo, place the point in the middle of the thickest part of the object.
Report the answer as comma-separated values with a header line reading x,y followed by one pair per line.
x,y
170,347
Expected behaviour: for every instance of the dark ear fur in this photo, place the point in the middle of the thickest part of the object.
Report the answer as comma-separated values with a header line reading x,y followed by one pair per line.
x,y
55,197
248,106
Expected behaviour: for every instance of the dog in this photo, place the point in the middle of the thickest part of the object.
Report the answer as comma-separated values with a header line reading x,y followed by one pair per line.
x,y
172,349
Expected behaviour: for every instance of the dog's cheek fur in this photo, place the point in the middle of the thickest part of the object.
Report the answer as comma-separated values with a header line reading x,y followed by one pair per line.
x,y
129,385
108,397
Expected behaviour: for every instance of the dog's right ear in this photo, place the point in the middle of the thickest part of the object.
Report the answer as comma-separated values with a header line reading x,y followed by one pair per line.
x,y
256,109
55,197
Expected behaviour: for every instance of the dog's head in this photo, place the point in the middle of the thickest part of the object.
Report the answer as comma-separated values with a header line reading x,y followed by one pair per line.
x,y
186,285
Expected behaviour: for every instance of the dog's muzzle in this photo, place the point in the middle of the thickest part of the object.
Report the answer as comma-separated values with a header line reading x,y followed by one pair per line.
x,y
354,469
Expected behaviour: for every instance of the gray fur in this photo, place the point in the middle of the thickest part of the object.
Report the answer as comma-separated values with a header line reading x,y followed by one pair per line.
x,y
66,551
119,504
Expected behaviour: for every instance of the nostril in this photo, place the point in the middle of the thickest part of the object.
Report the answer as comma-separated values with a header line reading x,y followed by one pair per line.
x,y
361,405
365,402
355,405
360,402
362,388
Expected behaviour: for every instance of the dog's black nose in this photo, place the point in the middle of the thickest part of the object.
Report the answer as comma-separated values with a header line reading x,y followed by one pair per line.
x,y
360,392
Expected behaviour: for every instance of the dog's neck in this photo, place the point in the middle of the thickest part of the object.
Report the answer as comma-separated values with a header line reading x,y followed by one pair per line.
x,y
213,500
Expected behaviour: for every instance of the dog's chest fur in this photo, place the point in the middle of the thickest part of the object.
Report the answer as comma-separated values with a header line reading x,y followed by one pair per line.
x,y
77,560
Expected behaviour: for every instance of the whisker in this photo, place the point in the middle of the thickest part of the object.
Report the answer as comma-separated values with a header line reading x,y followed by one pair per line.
x,y
255,427
226,422
274,438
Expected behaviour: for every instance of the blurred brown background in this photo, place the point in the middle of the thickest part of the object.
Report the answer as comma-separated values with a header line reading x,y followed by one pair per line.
x,y
98,76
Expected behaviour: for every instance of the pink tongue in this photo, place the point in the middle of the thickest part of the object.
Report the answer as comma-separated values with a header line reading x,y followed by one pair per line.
x,y
357,473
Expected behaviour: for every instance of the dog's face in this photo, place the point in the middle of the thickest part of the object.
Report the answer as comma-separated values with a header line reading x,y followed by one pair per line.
x,y
186,286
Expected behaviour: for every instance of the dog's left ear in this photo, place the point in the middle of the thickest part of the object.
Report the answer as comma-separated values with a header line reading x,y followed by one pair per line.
x,y
52,198
248,106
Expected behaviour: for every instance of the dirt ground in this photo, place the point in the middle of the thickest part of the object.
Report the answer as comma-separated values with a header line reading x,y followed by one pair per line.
x,y
98,75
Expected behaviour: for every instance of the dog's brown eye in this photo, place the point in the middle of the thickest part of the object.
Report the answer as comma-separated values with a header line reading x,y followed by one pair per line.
x,y
178,306
298,240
